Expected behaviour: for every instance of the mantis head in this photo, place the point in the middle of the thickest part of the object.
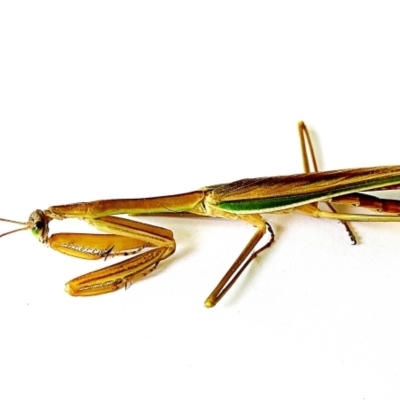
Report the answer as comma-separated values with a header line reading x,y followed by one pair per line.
x,y
38,223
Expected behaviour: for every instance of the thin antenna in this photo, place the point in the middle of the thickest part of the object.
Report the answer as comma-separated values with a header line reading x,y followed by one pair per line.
x,y
26,226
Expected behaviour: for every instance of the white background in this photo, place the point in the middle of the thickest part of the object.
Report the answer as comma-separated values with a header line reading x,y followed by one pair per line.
x,y
123,99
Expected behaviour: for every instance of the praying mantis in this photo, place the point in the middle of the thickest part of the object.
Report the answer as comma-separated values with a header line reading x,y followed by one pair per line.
x,y
144,246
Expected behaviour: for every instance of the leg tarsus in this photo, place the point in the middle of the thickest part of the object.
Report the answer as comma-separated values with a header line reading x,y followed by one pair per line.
x,y
346,225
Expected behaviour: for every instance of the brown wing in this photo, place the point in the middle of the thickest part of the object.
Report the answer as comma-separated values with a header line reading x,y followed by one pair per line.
x,y
316,184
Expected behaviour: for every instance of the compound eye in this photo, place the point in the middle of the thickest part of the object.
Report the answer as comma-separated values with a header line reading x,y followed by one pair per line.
x,y
39,224
37,228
